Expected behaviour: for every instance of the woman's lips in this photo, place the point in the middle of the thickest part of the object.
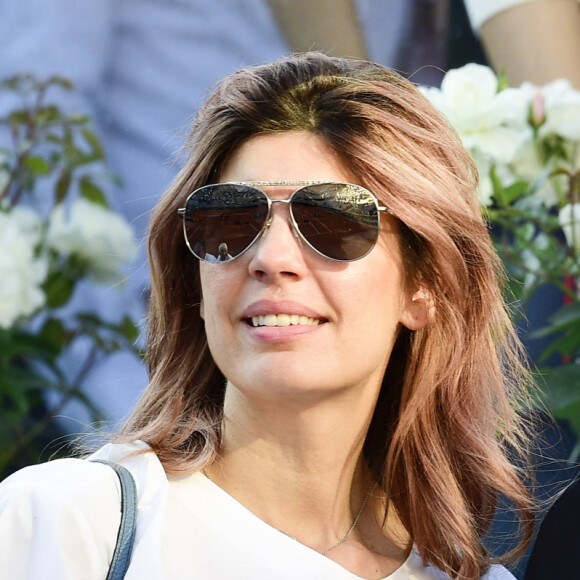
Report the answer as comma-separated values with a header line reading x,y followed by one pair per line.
x,y
283,320
280,321
280,313
280,334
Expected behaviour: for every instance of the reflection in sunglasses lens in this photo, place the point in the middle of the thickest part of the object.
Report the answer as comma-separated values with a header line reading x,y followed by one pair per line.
x,y
222,222
340,221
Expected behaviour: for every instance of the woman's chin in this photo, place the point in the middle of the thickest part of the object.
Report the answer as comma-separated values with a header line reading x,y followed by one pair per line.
x,y
285,386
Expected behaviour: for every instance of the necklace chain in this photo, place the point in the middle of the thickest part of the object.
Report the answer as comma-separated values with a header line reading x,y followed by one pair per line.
x,y
351,529
355,521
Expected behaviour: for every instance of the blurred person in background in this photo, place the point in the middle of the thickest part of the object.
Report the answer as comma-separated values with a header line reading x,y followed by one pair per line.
x,y
537,41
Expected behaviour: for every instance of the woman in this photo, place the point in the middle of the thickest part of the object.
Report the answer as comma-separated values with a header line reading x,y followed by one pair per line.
x,y
332,372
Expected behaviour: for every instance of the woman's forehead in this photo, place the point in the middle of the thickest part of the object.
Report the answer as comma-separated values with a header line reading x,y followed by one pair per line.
x,y
287,156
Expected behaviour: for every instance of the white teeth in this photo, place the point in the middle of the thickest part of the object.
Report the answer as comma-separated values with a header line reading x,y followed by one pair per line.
x,y
283,320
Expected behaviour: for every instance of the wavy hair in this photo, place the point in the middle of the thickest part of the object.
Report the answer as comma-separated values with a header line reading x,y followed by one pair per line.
x,y
448,423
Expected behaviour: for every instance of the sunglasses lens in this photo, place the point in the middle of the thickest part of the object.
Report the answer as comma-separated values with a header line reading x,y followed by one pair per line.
x,y
221,221
339,220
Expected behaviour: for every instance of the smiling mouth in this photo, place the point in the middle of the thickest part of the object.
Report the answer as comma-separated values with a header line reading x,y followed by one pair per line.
x,y
283,320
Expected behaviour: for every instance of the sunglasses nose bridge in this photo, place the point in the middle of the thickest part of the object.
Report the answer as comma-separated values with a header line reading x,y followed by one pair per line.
x,y
271,217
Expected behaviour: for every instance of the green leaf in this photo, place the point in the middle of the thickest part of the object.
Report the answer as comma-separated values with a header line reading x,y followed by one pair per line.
x,y
78,119
571,413
565,345
19,117
59,289
562,389
60,81
94,143
92,193
502,81
11,83
62,186
48,114
55,335
26,377
21,344
77,158
498,188
562,386
11,390
129,329
37,165
515,191
566,318
90,319
54,138
526,232
566,315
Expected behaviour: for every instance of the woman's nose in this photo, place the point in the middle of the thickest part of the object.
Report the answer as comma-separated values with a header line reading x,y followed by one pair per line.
x,y
279,251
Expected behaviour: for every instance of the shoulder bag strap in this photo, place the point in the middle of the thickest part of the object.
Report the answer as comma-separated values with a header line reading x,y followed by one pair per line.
x,y
126,535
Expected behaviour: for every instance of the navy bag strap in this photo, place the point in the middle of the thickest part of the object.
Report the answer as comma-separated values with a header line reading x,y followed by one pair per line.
x,y
126,535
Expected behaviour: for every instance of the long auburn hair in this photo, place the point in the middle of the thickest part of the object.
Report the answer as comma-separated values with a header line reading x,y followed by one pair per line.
x,y
448,423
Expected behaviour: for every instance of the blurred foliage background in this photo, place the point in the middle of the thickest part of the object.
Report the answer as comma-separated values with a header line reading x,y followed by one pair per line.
x,y
57,231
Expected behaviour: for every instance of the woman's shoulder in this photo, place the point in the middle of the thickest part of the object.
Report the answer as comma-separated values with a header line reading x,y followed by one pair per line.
x,y
76,476
72,503
55,512
78,488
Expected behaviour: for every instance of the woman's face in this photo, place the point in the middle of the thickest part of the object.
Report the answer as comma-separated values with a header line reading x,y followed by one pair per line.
x,y
350,312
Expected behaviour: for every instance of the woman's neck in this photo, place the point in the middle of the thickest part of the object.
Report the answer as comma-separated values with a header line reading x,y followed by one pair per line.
x,y
295,445
299,467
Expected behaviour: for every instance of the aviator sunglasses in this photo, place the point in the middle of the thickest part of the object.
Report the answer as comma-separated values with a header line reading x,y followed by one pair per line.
x,y
340,221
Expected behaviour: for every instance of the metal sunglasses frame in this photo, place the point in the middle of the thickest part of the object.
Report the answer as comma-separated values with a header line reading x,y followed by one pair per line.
x,y
268,221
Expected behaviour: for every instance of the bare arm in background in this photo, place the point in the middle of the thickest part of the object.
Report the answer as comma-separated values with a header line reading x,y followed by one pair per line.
x,y
331,26
536,41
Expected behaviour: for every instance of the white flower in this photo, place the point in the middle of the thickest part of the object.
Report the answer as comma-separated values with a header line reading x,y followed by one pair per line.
x,y
562,103
528,166
22,272
569,218
101,237
468,93
487,121
485,186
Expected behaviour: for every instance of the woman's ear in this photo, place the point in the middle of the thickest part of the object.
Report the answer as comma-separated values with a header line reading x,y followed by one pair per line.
x,y
419,310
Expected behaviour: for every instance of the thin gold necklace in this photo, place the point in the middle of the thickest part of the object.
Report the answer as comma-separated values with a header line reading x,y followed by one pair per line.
x,y
352,527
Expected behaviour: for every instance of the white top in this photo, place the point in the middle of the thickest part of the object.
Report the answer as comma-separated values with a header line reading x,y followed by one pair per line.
x,y
59,520
480,11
